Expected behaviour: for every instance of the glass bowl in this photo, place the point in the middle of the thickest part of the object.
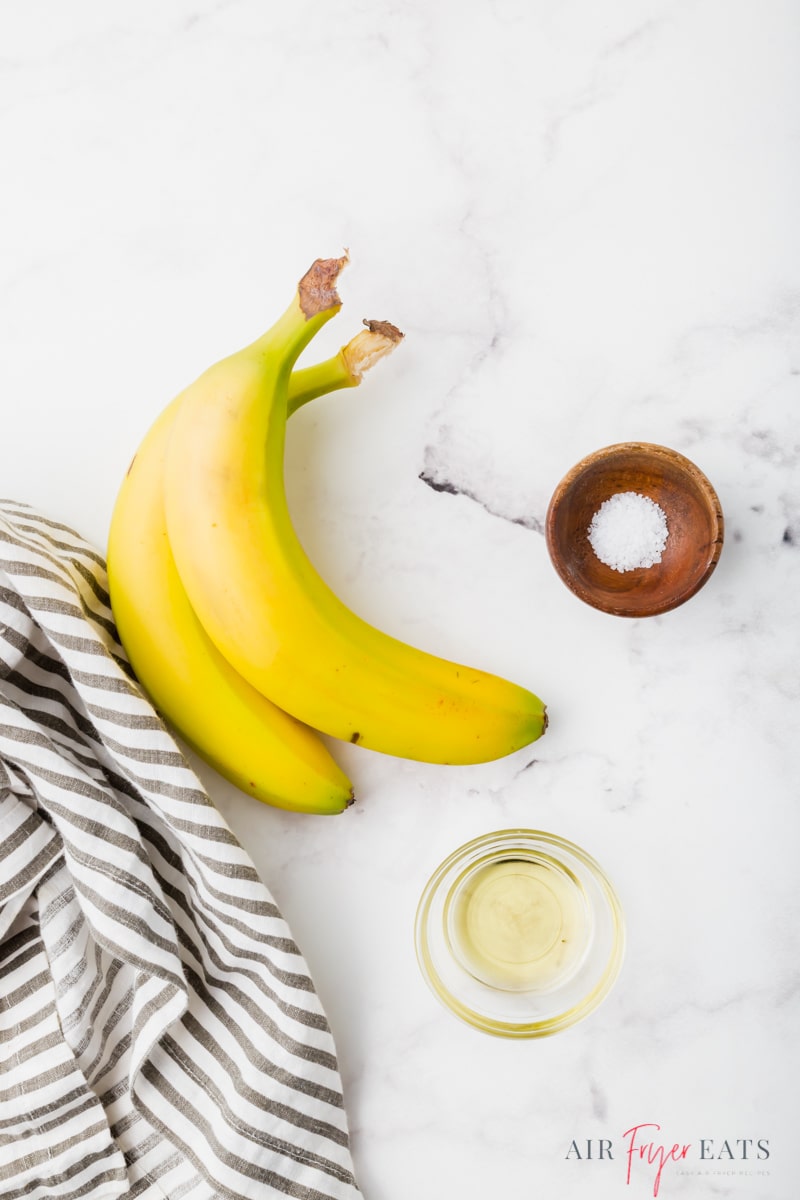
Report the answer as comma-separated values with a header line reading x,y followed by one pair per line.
x,y
520,933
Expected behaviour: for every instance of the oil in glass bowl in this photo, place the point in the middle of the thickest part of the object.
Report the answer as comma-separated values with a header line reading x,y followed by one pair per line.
x,y
520,933
519,924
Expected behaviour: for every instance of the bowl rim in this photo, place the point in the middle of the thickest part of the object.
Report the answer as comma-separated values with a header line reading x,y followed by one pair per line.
x,y
655,450
542,1027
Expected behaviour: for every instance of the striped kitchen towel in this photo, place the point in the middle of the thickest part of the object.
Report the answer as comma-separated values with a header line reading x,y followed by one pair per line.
x,y
160,1036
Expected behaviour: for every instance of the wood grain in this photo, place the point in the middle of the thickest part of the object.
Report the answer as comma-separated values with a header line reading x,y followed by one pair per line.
x,y
694,521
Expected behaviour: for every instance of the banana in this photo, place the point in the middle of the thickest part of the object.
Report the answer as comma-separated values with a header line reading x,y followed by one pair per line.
x,y
262,602
244,736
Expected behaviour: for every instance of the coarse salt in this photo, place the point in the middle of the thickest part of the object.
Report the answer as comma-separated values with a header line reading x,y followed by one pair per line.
x,y
629,531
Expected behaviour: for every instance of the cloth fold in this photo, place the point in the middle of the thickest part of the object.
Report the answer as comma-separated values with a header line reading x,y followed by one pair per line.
x,y
160,1035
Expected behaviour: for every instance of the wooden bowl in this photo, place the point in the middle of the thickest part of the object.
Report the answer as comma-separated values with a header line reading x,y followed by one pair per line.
x,y
694,523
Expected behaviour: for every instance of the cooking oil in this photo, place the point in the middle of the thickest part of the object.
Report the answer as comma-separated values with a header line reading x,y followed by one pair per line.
x,y
519,924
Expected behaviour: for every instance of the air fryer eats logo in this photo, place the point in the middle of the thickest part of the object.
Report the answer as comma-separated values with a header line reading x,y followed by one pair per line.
x,y
647,1156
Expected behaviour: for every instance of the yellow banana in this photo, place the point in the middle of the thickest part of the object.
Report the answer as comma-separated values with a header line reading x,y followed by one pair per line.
x,y
244,736
263,603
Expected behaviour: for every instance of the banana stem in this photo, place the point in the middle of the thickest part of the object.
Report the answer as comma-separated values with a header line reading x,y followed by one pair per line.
x,y
346,368
307,383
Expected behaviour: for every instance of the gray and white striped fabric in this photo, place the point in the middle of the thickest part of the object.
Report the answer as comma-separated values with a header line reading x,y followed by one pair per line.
x,y
160,1036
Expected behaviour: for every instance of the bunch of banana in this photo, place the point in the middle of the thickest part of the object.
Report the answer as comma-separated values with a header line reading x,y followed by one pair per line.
x,y
228,626
243,735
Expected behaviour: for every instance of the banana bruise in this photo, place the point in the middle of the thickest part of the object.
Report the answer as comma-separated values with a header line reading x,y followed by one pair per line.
x,y
262,602
232,726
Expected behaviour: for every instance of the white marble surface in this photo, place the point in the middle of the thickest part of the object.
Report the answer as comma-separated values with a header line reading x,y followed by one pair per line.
x,y
585,218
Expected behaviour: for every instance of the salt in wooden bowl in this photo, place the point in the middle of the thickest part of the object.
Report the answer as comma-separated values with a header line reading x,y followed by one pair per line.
x,y
694,523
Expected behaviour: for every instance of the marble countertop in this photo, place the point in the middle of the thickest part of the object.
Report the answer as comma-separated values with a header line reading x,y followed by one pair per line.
x,y
584,218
